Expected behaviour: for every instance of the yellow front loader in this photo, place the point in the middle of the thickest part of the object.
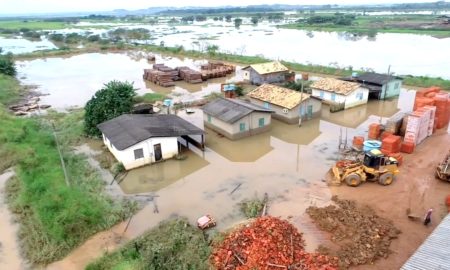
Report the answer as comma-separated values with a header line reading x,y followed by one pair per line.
x,y
374,167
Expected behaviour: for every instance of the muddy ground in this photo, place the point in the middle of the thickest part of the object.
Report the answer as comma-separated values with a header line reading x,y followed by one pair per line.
x,y
415,188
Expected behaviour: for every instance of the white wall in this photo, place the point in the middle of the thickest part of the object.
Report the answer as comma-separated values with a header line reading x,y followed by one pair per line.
x,y
250,121
351,100
169,149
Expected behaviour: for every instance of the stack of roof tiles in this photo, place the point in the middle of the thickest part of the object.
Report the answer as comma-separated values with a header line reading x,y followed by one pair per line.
x,y
279,96
337,86
189,75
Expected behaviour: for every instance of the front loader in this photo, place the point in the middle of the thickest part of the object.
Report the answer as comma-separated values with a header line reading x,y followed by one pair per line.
x,y
375,167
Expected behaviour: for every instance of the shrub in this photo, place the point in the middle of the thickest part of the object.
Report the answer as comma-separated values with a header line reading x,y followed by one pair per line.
x,y
7,65
113,100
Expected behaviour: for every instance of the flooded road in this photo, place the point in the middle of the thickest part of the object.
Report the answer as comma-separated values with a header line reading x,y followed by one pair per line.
x,y
71,81
10,257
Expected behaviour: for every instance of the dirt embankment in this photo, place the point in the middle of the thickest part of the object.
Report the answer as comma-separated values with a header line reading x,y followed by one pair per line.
x,y
361,236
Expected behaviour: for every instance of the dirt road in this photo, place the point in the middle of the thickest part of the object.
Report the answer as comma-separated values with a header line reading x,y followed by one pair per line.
x,y
415,188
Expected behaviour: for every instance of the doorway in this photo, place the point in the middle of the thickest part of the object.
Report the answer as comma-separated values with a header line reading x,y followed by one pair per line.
x,y
157,151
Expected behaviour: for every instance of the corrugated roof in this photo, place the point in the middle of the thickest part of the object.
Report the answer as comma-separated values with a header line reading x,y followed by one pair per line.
x,y
336,86
129,129
266,68
231,110
434,253
375,78
278,95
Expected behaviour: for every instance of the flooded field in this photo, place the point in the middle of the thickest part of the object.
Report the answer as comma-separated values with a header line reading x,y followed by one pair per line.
x,y
21,45
71,81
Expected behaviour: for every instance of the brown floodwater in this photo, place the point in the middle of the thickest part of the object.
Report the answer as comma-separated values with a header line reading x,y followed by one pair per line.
x,y
288,163
71,81
10,257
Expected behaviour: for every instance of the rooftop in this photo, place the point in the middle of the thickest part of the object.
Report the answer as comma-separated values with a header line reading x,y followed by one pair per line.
x,y
375,78
231,110
129,129
434,252
278,95
266,68
337,86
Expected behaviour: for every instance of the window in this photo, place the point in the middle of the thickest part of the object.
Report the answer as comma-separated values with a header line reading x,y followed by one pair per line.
x,y
242,127
321,94
397,85
267,105
333,97
261,122
209,118
360,96
138,153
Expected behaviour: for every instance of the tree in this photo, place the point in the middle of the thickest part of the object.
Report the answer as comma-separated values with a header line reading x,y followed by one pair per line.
x,y
228,18
7,65
113,100
212,49
237,22
255,20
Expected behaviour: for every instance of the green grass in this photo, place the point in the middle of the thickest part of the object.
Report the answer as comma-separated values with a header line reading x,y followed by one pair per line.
x,y
381,24
54,218
172,245
32,25
150,97
9,90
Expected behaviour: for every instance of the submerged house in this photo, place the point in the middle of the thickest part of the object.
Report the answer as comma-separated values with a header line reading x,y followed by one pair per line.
x,y
235,118
381,86
272,72
340,93
288,105
138,139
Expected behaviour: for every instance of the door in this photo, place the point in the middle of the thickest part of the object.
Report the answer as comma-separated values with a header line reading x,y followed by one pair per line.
x,y
157,151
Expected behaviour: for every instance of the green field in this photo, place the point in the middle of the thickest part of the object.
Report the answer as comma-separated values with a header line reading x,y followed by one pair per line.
x,y
403,24
32,25
54,217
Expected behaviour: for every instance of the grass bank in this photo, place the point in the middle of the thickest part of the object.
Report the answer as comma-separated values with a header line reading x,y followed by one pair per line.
x,y
54,217
9,90
416,81
31,25
172,245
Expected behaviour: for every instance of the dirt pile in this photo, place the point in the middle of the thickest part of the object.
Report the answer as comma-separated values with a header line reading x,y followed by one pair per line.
x,y
267,243
361,235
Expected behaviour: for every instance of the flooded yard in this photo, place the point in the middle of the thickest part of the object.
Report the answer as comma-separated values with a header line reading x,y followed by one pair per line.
x,y
71,81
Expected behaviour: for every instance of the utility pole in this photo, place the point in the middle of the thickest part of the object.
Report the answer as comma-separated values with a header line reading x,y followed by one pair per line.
x,y
301,105
386,89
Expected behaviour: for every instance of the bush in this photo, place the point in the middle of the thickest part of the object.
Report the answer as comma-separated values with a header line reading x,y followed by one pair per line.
x,y
113,100
172,245
7,65
252,208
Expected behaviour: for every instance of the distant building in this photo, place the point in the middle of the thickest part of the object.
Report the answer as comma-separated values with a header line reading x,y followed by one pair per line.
x,y
272,72
381,86
287,104
137,139
235,118
341,93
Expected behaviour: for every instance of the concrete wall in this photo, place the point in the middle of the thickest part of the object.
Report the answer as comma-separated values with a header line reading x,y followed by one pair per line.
x,y
282,114
350,101
316,108
233,132
391,89
258,79
169,149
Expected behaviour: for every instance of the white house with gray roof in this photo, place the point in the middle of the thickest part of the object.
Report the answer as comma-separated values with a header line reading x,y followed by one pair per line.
x,y
338,92
235,118
139,139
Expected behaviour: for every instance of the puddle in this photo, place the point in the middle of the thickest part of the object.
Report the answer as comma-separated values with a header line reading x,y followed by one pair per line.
x,y
71,81
9,247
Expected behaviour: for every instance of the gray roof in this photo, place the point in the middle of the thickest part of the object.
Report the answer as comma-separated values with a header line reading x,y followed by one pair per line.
x,y
375,78
434,253
129,129
231,110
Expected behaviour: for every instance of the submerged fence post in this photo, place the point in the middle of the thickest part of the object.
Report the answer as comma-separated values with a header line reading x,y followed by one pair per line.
x,y
66,177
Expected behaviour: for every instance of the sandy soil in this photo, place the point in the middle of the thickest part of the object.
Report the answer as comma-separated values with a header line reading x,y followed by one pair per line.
x,y
417,189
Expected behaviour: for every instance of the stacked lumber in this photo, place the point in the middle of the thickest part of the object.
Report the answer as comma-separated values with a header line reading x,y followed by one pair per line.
x,y
189,75
216,70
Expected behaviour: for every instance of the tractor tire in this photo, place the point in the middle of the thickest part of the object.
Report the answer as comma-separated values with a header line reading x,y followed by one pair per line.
x,y
353,180
386,179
